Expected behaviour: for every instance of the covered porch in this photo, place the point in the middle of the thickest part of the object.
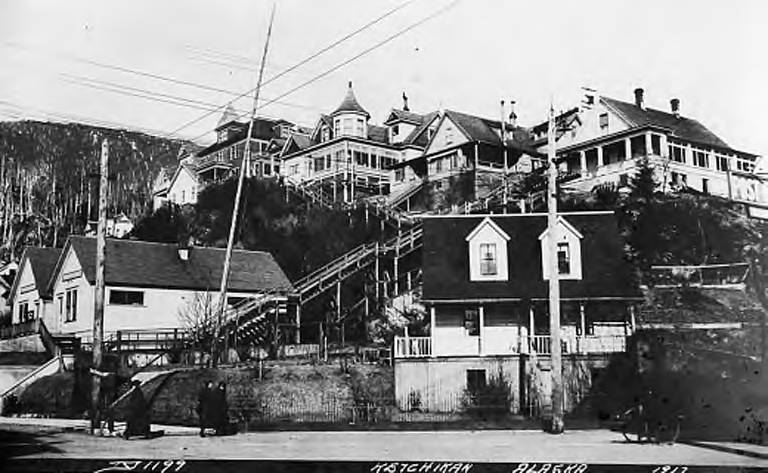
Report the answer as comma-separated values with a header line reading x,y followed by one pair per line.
x,y
495,329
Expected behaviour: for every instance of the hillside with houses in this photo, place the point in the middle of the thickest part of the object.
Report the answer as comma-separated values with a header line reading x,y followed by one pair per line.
x,y
419,246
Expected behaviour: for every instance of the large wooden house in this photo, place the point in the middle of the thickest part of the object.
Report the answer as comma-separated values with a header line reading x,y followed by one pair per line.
x,y
149,286
486,292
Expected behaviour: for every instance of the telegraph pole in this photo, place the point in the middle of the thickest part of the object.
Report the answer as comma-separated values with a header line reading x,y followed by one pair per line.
x,y
557,396
98,315
231,240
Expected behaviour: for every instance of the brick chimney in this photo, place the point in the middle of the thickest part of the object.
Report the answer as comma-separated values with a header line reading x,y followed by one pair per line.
x,y
675,104
512,114
639,98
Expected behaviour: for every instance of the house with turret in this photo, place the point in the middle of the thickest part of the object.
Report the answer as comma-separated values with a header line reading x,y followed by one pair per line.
x,y
347,156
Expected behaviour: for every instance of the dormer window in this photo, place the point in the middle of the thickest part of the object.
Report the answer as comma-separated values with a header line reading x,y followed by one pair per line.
x,y
395,131
568,251
487,247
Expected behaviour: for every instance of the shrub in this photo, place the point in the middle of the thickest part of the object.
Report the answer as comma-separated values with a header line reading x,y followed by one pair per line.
x,y
492,400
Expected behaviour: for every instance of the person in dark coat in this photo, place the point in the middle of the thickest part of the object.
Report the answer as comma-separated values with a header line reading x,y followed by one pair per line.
x,y
221,408
205,411
138,414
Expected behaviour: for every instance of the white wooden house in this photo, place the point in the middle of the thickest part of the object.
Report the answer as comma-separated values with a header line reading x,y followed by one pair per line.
x,y
29,296
150,285
486,290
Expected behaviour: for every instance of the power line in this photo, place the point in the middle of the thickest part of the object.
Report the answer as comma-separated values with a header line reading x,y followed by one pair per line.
x,y
353,58
44,114
155,76
304,61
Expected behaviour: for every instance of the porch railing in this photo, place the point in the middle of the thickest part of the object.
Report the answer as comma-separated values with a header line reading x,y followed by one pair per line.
x,y
417,347
412,347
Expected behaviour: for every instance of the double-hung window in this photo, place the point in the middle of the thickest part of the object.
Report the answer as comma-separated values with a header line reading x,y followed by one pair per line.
x,y
70,314
563,258
488,260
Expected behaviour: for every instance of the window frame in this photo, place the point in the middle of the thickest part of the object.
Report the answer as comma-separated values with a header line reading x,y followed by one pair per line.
x,y
489,259
113,299
566,261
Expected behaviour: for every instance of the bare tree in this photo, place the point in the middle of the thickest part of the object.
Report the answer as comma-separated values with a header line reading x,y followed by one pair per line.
x,y
198,317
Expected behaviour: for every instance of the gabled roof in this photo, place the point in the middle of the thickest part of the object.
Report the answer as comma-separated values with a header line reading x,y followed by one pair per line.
x,y
417,137
605,272
566,225
42,262
564,119
481,129
406,116
487,222
350,104
296,142
147,264
682,127
179,169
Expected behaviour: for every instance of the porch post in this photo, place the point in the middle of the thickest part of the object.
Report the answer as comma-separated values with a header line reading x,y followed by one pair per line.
x,y
432,330
600,160
583,162
298,323
583,323
649,144
627,149
480,348
632,317
530,325
407,341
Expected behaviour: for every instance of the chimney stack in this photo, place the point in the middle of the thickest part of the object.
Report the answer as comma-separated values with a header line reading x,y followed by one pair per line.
x,y
675,104
405,103
639,98
503,130
512,114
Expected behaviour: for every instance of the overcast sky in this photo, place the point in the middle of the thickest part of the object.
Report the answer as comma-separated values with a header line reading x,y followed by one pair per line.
x,y
710,54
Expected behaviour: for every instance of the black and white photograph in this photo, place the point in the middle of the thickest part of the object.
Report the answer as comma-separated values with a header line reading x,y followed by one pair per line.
x,y
383,236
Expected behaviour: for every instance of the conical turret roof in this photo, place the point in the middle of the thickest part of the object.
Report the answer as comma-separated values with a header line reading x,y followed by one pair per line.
x,y
228,116
350,104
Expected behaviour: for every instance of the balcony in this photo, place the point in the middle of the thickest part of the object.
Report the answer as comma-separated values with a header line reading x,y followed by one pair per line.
x,y
421,347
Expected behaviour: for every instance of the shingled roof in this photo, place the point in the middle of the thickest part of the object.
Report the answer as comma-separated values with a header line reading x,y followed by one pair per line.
x,y
482,129
350,104
263,129
42,261
407,116
148,264
417,136
605,273
682,127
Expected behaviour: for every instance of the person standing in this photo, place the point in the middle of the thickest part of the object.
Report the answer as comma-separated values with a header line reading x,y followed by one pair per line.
x,y
205,406
222,408
138,414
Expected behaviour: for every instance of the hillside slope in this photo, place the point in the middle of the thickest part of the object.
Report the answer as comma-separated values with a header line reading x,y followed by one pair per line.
x,y
48,170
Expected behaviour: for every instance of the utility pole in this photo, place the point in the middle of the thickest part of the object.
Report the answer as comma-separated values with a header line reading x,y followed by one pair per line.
x,y
557,398
98,314
236,209
504,151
